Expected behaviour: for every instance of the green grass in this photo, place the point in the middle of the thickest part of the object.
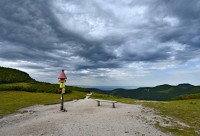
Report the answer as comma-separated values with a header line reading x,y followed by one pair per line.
x,y
11,101
186,111
38,87
112,98
9,75
30,87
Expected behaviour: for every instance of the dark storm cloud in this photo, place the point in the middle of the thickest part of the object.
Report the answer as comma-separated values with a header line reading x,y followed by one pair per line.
x,y
99,65
98,34
188,14
24,22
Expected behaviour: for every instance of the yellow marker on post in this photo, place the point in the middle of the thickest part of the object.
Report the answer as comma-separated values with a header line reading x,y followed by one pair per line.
x,y
63,90
62,79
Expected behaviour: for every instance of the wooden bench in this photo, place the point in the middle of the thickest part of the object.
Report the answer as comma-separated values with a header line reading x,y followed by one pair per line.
x,y
98,102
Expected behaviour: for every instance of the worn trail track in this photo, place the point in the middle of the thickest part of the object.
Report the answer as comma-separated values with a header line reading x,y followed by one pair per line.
x,y
83,118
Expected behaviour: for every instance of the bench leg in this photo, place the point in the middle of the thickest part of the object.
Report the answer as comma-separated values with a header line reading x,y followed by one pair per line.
x,y
98,103
113,105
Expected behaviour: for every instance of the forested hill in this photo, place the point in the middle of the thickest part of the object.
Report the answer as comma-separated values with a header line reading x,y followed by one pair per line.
x,y
9,75
161,92
16,80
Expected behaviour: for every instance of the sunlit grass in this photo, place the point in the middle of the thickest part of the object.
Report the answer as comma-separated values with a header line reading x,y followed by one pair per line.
x,y
11,101
186,111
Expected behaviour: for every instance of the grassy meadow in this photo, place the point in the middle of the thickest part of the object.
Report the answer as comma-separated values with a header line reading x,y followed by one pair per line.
x,y
186,111
37,87
11,101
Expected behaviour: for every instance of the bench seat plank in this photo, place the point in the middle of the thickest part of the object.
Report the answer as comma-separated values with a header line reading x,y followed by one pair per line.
x,y
99,100
106,101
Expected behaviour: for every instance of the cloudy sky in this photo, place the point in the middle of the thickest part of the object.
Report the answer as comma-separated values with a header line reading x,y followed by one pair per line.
x,y
103,42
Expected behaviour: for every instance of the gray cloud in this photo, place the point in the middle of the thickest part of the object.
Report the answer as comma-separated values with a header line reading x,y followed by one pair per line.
x,y
98,34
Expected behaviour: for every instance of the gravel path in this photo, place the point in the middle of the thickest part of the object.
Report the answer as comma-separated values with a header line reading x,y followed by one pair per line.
x,y
83,118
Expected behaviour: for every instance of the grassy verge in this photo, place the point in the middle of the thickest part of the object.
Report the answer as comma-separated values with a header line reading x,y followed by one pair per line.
x,y
11,101
186,111
112,98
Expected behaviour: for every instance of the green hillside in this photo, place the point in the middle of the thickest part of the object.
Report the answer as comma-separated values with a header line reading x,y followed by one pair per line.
x,y
9,75
162,92
12,79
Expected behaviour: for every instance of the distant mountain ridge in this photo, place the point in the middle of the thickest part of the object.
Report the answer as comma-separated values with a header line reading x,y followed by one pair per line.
x,y
185,85
108,88
160,93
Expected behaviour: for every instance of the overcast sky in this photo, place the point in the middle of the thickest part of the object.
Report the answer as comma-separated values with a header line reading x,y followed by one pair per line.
x,y
103,42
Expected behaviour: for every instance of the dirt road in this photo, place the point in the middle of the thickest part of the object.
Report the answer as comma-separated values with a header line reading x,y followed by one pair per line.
x,y
83,118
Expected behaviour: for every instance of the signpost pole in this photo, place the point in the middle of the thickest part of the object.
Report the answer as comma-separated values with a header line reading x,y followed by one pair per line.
x,y
62,79
62,102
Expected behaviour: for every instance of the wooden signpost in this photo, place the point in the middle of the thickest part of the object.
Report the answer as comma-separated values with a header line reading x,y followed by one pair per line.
x,y
62,79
